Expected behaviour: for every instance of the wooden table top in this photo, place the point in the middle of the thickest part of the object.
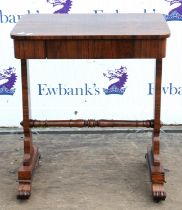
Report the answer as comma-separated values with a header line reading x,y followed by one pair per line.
x,y
91,26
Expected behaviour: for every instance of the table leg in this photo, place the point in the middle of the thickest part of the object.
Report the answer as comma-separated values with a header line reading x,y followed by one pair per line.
x,y
31,154
153,153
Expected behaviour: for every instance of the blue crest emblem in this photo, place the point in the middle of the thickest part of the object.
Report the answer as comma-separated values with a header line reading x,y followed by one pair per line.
x,y
118,77
176,13
7,81
61,6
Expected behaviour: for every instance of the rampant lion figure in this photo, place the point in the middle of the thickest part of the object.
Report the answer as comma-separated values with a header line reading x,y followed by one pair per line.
x,y
64,5
176,11
7,78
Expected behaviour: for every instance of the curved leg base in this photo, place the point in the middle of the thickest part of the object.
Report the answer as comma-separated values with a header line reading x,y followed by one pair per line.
x,y
158,192
24,190
25,175
157,177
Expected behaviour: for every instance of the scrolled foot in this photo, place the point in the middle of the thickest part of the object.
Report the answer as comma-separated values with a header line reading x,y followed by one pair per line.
x,y
24,191
158,192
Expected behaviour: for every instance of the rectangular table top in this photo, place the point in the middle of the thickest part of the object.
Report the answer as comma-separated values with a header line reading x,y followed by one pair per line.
x,y
91,26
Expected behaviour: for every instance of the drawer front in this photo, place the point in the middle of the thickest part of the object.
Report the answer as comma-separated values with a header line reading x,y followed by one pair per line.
x,y
90,49
103,49
29,49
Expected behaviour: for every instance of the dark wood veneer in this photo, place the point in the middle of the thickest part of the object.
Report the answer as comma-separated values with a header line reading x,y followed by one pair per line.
x,y
90,36
89,48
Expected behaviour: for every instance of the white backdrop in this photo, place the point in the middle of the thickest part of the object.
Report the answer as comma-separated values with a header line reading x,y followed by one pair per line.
x,y
57,94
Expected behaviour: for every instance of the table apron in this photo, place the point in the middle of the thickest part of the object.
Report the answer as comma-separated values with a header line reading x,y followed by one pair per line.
x,y
90,49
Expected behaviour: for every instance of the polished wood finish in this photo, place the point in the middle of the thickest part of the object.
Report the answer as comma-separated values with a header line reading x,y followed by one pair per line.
x,y
89,26
89,123
90,36
95,49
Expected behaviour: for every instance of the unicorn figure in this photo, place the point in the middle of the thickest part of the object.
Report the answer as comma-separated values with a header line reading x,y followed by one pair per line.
x,y
7,78
118,78
177,11
63,6
7,81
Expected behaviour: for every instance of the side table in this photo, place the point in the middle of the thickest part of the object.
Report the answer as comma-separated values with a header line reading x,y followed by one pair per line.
x,y
90,36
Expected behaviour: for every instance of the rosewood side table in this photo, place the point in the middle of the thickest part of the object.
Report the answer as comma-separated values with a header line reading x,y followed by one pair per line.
x,y
90,36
